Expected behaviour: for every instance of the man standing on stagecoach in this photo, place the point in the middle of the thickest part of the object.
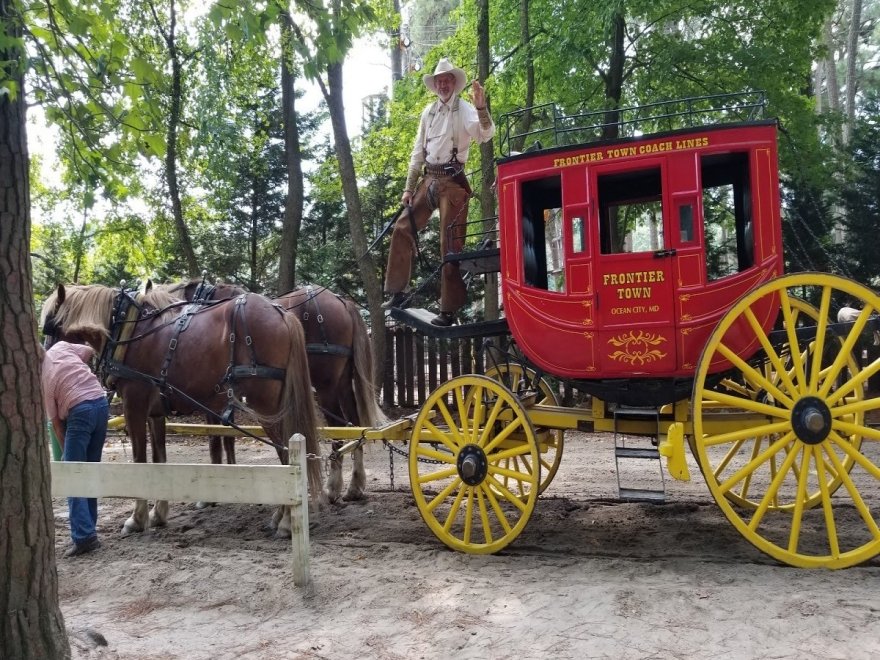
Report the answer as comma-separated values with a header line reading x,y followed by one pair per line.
x,y
78,410
446,129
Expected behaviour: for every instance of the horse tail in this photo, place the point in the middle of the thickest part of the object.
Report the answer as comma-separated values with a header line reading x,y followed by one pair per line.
x,y
299,403
369,412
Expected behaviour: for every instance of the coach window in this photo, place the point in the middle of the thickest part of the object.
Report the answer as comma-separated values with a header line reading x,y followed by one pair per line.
x,y
578,235
631,211
727,214
544,265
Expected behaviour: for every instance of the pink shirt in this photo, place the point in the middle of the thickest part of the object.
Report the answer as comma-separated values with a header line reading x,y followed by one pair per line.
x,y
67,379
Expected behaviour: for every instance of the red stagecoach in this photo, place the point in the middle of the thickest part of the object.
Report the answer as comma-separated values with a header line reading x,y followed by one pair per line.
x,y
641,260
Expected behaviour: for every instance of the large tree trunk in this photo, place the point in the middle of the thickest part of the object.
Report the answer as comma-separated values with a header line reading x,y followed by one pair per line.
x,y
293,207
170,37
852,54
487,160
369,275
31,625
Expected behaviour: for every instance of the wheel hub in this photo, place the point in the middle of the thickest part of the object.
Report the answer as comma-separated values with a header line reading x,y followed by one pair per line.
x,y
472,465
811,420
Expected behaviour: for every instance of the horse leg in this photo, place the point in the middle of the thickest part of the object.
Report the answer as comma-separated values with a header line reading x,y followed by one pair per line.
x,y
136,422
358,482
334,479
215,448
159,515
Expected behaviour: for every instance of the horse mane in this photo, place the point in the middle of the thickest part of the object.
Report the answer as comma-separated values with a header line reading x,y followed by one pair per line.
x,y
162,296
85,307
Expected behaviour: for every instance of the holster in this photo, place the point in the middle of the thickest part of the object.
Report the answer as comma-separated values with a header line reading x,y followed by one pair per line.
x,y
461,179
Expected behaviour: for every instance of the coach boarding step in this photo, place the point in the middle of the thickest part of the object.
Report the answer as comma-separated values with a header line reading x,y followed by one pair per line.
x,y
420,319
485,259
632,482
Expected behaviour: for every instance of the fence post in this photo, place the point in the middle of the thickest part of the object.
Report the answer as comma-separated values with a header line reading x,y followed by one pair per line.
x,y
299,512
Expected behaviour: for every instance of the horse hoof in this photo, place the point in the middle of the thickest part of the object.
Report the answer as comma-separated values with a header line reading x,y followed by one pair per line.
x,y
129,529
355,496
282,534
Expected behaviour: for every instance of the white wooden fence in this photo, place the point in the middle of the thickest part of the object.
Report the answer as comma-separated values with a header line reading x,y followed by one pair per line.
x,y
284,485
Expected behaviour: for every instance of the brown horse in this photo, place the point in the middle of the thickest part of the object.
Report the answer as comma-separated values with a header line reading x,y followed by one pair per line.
x,y
165,354
340,364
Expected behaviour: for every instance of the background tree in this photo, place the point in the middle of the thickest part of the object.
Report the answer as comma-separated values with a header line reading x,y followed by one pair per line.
x,y
32,625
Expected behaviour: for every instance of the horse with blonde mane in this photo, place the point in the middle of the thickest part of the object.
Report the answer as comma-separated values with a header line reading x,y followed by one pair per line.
x,y
161,354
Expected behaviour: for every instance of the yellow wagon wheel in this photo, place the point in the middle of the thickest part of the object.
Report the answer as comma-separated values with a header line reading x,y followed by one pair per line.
x,y
815,424
803,316
516,377
460,455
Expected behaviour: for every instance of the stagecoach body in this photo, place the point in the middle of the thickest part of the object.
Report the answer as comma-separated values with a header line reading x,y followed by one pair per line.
x,y
618,258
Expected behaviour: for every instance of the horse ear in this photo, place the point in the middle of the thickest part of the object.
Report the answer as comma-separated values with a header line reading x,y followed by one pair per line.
x,y
61,294
148,285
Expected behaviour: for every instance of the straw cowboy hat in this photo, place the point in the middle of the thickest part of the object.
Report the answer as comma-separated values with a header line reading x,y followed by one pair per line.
x,y
445,66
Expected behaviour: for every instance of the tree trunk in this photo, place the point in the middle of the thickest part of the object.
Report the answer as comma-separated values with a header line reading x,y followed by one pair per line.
x,y
614,78
487,161
31,625
525,38
369,275
831,69
174,113
396,46
852,56
293,207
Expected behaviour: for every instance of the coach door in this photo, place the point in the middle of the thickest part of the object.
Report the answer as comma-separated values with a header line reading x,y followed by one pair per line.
x,y
634,270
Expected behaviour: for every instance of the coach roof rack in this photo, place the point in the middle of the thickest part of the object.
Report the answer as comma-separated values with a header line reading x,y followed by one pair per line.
x,y
549,127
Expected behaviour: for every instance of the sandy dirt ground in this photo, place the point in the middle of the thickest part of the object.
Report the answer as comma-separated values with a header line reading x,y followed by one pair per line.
x,y
590,577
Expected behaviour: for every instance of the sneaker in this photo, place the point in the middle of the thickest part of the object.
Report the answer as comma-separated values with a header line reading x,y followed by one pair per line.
x,y
443,319
77,549
396,300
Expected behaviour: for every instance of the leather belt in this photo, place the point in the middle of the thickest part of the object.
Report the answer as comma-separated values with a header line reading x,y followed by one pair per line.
x,y
446,169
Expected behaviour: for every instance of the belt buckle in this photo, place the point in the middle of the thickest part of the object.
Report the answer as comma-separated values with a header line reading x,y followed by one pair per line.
x,y
449,170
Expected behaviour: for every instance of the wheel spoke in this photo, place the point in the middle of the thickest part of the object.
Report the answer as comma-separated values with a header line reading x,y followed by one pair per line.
x,y
501,437
496,507
858,383
447,416
516,475
791,331
468,516
472,401
446,492
434,455
748,404
850,429
856,455
747,433
819,344
440,435
769,351
827,509
861,507
436,476
772,491
798,516
456,506
490,423
755,463
845,353
506,494
755,377
484,516
511,452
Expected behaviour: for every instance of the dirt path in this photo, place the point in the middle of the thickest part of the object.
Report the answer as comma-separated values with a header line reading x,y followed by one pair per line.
x,y
589,577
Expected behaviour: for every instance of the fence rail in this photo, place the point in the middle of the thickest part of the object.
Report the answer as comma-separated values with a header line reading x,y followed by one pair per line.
x,y
285,485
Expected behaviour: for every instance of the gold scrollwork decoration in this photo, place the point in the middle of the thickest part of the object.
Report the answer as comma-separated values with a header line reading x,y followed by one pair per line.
x,y
637,348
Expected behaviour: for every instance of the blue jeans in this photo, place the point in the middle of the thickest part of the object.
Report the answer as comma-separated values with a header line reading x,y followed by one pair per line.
x,y
84,441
